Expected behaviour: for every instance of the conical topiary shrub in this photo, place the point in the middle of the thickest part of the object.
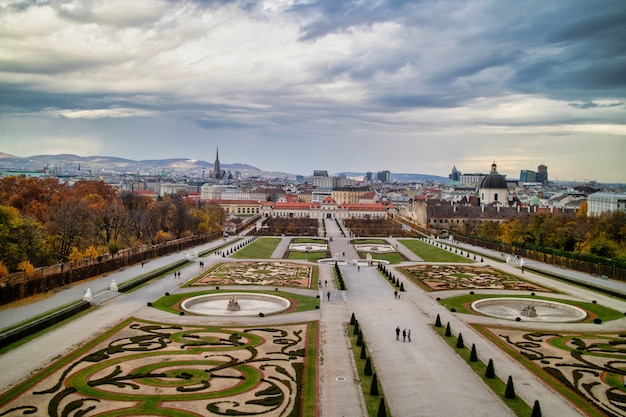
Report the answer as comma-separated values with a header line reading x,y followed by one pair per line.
x,y
352,319
363,352
367,370
473,356
359,340
536,410
356,327
402,286
448,331
438,321
382,411
459,342
510,389
490,372
374,387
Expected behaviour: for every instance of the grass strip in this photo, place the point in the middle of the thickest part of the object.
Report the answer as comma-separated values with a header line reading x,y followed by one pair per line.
x,y
430,253
372,402
519,407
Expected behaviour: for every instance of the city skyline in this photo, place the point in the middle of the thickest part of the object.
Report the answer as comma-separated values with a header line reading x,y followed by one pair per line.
x,y
294,86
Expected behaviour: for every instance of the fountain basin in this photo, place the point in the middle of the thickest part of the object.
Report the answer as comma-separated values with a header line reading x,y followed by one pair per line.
x,y
308,247
512,308
352,262
251,304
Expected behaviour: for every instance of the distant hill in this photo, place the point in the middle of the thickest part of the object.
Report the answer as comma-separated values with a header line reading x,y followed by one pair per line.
x,y
122,165
99,165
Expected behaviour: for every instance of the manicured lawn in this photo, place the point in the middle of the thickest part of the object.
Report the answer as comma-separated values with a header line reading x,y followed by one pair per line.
x,y
308,256
393,257
310,240
430,253
369,242
261,248
604,313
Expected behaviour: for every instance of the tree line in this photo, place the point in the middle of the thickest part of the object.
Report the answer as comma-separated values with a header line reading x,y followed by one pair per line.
x,y
44,221
602,236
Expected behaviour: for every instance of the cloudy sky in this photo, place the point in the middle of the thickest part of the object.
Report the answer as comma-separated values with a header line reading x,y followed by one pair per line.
x,y
341,85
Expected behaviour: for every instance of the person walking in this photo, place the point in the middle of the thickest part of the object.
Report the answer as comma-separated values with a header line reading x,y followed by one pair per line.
x,y
408,334
326,283
328,295
404,335
398,333
395,294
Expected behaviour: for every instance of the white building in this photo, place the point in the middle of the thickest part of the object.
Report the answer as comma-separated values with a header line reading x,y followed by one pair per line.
x,y
602,202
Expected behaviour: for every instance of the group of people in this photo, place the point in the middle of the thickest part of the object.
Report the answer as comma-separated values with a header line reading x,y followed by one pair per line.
x,y
406,334
396,294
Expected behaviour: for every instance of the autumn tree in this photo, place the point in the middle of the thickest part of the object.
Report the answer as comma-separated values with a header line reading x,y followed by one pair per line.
x,y
21,238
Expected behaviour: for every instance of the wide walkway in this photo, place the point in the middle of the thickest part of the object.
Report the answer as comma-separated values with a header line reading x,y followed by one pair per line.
x,y
424,377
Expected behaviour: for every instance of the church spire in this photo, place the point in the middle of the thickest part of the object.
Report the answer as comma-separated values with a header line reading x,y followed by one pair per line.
x,y
217,170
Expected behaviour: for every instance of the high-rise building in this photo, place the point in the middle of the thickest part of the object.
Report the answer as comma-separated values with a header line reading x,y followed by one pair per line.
x,y
383,176
542,174
527,175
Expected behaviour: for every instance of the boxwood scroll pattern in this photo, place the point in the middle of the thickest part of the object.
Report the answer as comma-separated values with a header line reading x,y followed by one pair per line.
x,y
154,369
591,365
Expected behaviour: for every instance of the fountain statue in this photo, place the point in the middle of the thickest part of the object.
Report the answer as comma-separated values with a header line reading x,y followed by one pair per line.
x,y
113,286
88,296
233,305
528,311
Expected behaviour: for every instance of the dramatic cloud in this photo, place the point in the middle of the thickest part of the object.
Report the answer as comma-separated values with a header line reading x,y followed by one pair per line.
x,y
296,85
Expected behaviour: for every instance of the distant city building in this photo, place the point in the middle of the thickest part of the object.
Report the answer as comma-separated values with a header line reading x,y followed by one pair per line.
x,y
542,174
455,175
527,176
320,173
602,202
471,180
368,176
383,176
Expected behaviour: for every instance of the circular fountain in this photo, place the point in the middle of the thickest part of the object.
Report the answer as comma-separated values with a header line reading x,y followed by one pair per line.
x,y
235,304
308,247
524,309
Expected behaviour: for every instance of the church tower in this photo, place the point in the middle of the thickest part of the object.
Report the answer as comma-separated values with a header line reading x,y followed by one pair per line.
x,y
217,170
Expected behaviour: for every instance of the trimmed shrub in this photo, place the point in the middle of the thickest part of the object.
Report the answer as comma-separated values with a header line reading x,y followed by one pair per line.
x,y
359,340
382,411
510,389
374,387
352,319
490,372
363,352
459,342
402,286
448,330
473,355
536,410
356,327
438,321
367,370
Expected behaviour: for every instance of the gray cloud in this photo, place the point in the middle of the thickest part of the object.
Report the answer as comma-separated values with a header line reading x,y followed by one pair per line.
x,y
339,74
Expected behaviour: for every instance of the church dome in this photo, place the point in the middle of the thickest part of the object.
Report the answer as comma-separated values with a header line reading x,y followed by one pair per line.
x,y
493,180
